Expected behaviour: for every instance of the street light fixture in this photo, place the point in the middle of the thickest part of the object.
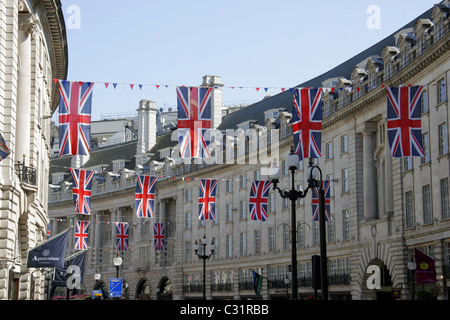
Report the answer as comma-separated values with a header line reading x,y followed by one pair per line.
x,y
117,263
412,268
204,257
313,171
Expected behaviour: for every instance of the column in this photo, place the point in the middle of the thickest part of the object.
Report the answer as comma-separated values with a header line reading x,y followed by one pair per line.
x,y
26,30
388,188
370,191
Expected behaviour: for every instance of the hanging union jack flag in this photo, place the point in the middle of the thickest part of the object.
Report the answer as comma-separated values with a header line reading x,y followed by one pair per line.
x,y
75,99
404,121
122,236
159,231
4,150
194,119
82,190
145,196
307,122
259,196
206,199
326,185
81,235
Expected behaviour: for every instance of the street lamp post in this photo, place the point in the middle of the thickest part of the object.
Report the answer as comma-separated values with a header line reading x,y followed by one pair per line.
x,y
412,268
204,257
117,263
293,195
313,172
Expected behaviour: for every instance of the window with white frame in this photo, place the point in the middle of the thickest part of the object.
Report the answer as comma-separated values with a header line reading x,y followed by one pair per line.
x,y
443,139
329,151
344,144
229,244
426,198
345,185
346,224
271,239
229,212
441,91
445,208
409,208
257,241
242,243
243,209
425,147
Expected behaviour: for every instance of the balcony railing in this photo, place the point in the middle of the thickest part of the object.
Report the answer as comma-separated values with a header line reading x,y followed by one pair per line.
x,y
26,174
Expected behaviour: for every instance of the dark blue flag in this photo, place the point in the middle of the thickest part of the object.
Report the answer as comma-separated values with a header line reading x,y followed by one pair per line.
x,y
50,253
73,268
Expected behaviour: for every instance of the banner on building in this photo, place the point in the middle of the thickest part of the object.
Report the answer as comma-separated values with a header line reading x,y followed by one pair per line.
x,y
50,253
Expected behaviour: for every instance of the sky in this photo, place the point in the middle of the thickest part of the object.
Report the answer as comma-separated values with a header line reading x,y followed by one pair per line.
x,y
250,44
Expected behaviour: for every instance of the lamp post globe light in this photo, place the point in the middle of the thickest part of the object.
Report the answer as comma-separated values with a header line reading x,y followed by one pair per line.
x,y
313,171
204,257
117,263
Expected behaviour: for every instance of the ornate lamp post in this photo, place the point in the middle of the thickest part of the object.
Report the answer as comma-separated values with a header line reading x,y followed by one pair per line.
x,y
117,263
315,171
293,163
204,257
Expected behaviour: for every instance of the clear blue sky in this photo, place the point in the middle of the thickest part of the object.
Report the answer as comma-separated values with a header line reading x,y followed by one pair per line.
x,y
249,43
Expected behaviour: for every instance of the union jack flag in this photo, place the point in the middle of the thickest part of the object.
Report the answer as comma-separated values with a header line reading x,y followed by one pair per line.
x,y
404,121
307,122
326,185
4,150
206,199
194,119
159,231
122,236
75,99
259,196
81,235
82,190
145,196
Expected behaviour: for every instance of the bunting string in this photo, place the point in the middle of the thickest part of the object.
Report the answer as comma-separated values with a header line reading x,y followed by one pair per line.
x,y
131,86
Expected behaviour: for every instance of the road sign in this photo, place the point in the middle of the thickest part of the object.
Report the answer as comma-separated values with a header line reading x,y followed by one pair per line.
x,y
96,294
115,287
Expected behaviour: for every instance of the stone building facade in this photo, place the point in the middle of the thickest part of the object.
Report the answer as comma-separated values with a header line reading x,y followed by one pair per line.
x,y
33,51
382,207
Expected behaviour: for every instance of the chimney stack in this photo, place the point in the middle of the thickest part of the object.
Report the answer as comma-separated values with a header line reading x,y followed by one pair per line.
x,y
146,126
216,98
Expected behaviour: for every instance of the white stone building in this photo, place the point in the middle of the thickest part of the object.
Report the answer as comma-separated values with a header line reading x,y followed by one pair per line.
x,y
33,52
382,207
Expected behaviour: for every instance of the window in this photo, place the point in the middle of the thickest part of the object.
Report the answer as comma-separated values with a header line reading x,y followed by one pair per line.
x,y
285,237
229,185
257,242
424,100
187,252
301,236
331,229
344,144
344,180
443,145
409,201
445,199
346,224
188,194
229,210
243,209
407,163
330,150
229,246
316,233
243,181
441,91
188,220
271,240
426,194
426,151
242,244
